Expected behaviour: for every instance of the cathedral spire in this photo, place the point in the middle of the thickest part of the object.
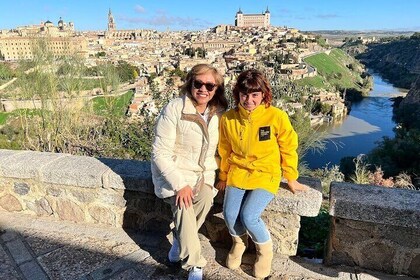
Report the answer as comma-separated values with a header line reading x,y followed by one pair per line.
x,y
111,21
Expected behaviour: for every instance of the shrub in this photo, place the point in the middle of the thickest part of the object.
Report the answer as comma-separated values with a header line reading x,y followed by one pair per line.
x,y
313,234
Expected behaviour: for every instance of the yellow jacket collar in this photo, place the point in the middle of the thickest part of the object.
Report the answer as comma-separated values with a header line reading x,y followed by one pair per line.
x,y
256,113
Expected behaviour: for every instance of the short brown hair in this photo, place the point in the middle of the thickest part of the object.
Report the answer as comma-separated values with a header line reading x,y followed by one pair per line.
x,y
253,81
219,98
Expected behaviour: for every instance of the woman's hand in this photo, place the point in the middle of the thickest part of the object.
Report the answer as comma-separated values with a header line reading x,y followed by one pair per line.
x,y
184,197
295,186
221,185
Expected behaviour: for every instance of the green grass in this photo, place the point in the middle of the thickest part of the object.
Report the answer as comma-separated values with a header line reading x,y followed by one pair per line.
x,y
16,113
112,105
317,81
3,117
333,68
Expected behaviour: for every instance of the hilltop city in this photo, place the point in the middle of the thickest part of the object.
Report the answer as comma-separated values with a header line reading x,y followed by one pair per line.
x,y
251,43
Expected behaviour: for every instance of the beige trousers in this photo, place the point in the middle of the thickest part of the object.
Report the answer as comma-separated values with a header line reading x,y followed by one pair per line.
x,y
187,222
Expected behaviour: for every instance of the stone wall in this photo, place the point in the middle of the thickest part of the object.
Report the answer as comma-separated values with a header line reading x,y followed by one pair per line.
x,y
119,193
375,227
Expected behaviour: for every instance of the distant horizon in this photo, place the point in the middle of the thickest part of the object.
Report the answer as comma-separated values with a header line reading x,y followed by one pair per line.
x,y
305,15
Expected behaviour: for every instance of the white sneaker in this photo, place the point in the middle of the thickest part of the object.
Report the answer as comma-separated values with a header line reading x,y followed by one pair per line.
x,y
196,273
173,254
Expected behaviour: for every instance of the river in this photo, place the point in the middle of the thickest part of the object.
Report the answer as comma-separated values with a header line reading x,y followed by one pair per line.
x,y
369,120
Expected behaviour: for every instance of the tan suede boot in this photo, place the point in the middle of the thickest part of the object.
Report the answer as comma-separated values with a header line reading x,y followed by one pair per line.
x,y
262,267
234,258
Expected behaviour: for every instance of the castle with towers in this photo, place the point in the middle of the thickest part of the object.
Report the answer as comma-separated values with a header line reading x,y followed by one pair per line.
x,y
252,20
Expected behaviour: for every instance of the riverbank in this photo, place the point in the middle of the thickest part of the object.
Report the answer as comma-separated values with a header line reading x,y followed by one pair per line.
x,y
369,121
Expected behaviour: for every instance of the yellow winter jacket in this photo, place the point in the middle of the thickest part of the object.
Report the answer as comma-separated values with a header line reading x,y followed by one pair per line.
x,y
257,148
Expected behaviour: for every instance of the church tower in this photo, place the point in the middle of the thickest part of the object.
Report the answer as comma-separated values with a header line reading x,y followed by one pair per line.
x,y
267,18
111,22
239,20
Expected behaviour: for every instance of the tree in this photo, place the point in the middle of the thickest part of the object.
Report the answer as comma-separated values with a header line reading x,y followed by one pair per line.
x,y
126,71
309,139
416,35
6,73
178,72
201,52
100,54
57,123
189,51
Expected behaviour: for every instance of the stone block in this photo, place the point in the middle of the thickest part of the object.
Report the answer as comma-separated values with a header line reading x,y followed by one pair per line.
x,y
83,195
414,267
9,236
284,230
7,267
54,191
18,251
26,164
302,203
399,207
111,197
356,243
128,174
378,255
70,211
4,158
21,188
78,171
40,207
216,230
10,203
102,215
32,270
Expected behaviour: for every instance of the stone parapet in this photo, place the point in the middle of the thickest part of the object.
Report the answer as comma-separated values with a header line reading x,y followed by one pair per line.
x,y
375,228
389,206
302,203
120,193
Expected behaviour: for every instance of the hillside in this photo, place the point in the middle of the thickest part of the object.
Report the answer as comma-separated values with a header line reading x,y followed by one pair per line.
x,y
338,70
398,60
408,111
338,37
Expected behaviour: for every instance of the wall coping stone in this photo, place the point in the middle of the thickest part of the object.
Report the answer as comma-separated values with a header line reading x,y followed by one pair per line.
x,y
368,203
302,203
89,172
27,164
131,175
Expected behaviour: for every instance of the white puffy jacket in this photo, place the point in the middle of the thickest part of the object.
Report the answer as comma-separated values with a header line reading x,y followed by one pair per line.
x,y
184,150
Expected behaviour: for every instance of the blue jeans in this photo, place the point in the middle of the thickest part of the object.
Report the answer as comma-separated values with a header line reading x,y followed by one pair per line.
x,y
242,211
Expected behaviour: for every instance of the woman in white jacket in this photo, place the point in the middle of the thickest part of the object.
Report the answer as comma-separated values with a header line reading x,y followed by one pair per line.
x,y
184,160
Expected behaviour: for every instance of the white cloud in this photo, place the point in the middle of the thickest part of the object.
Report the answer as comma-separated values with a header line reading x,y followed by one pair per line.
x,y
139,9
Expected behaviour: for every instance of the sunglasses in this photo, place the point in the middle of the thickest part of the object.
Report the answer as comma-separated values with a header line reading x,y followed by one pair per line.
x,y
209,86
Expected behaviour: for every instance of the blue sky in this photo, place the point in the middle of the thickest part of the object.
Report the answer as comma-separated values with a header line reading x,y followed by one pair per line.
x,y
198,15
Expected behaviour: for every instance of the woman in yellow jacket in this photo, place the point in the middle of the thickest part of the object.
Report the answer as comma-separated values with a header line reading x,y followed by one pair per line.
x,y
257,146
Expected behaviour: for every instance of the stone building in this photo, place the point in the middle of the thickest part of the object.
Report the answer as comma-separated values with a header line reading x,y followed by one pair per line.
x,y
19,43
253,20
111,21
219,45
123,34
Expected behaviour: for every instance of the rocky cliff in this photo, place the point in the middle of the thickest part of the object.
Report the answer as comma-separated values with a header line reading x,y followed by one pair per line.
x,y
408,111
398,60
413,96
